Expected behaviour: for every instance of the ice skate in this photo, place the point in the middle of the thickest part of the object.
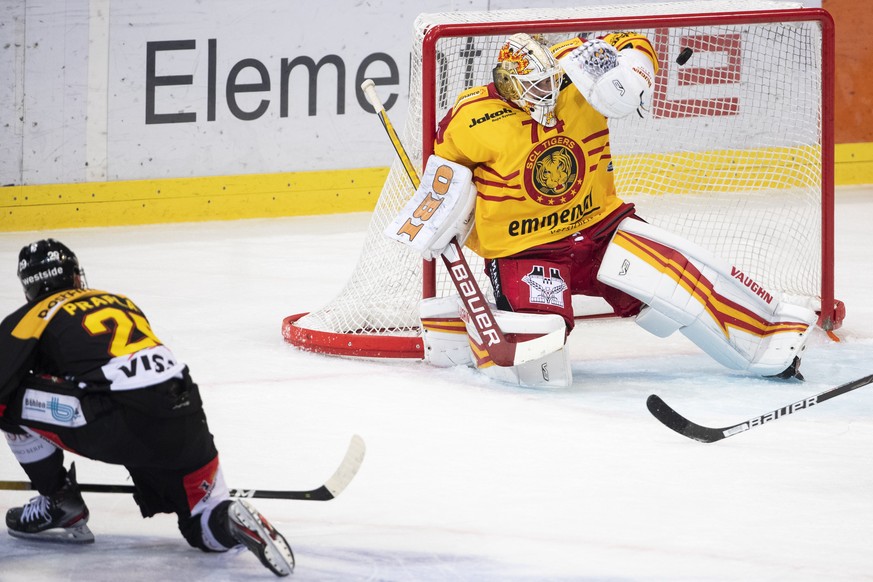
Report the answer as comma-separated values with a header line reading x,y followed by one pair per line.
x,y
251,529
62,517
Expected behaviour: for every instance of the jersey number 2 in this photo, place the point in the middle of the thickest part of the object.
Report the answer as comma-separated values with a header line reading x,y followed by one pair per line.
x,y
121,343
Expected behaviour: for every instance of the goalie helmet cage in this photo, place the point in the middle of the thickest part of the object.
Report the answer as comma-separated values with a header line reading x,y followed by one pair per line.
x,y
736,154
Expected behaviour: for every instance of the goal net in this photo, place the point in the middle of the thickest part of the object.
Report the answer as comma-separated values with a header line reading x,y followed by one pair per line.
x,y
736,154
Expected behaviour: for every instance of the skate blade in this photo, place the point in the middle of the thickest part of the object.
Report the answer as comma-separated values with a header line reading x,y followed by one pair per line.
x,y
77,534
275,553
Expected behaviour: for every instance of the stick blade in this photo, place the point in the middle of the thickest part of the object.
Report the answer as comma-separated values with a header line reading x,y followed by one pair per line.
x,y
348,468
534,349
676,422
340,479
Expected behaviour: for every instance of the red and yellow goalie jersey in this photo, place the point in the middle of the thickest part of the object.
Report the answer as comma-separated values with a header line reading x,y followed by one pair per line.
x,y
535,184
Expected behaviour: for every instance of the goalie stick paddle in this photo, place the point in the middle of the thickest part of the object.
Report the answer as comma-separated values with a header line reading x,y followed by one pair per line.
x,y
675,421
332,487
503,352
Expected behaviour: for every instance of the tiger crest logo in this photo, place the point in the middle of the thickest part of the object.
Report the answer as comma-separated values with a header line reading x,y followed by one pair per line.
x,y
554,171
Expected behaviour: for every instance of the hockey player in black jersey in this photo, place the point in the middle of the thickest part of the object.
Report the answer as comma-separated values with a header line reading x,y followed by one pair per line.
x,y
82,370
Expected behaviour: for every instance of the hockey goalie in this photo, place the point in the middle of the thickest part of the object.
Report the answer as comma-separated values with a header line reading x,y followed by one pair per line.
x,y
522,174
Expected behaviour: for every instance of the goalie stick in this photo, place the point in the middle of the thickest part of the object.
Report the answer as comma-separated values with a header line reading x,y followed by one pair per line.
x,y
340,479
675,421
503,351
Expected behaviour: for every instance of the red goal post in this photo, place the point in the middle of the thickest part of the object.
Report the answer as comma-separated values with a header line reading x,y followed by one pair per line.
x,y
736,154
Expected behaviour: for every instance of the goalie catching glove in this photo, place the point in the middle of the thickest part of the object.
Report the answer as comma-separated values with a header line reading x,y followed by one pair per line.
x,y
616,83
441,209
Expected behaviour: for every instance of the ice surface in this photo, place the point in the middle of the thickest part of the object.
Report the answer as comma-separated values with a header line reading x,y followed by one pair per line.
x,y
466,479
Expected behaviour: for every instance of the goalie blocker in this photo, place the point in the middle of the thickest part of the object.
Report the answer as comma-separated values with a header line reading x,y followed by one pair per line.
x,y
726,313
440,210
458,332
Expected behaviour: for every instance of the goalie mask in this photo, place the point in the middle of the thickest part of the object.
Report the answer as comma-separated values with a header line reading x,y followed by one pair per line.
x,y
48,266
528,75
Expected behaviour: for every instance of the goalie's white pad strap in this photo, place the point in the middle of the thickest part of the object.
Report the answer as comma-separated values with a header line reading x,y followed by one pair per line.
x,y
735,320
440,209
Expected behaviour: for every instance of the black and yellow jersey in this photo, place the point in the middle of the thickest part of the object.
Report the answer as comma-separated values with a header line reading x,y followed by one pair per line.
x,y
84,335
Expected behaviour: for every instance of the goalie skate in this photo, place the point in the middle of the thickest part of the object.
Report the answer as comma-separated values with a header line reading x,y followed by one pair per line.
x,y
62,517
251,529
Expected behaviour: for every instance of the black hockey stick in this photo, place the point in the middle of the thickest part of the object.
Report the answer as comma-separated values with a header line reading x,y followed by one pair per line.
x,y
673,420
331,488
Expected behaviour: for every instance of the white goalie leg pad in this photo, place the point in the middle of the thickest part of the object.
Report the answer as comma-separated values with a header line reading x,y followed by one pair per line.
x,y
441,209
727,314
444,333
553,369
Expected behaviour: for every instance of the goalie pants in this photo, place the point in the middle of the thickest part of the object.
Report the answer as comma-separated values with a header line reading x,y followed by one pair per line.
x,y
159,434
542,279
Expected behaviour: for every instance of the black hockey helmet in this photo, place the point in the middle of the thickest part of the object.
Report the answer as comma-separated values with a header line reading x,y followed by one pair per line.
x,y
47,266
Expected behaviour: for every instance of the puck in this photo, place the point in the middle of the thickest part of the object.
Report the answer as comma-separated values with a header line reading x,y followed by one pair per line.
x,y
684,55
